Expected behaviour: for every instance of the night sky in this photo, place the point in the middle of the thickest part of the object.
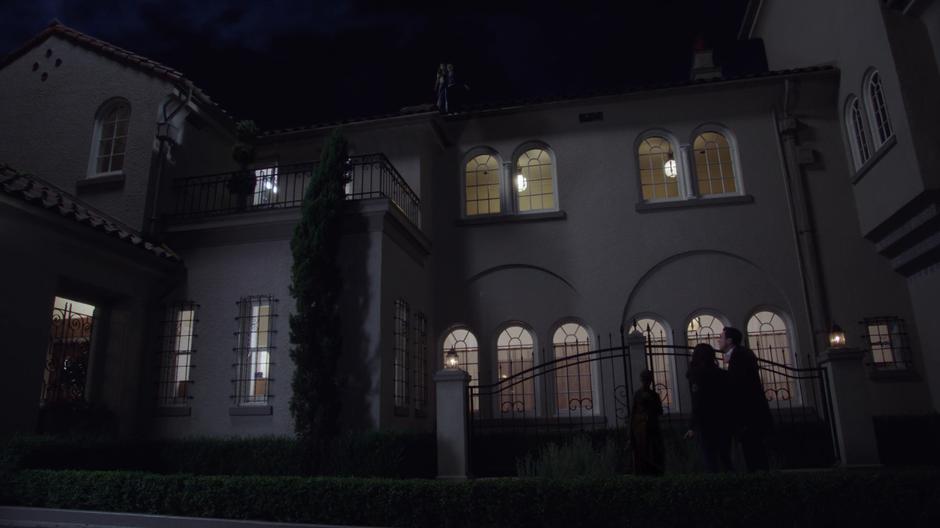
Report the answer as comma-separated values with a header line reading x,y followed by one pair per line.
x,y
287,63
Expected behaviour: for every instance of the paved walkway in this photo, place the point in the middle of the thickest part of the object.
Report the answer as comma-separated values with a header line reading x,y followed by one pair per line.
x,y
17,517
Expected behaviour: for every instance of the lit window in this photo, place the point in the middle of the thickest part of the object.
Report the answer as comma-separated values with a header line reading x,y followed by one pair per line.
x,y
482,184
111,137
574,391
402,329
768,337
660,360
255,344
855,128
705,328
878,110
533,181
887,341
714,164
659,172
464,343
515,354
265,186
179,331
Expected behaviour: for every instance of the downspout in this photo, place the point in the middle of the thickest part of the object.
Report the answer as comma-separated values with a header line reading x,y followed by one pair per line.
x,y
804,231
161,162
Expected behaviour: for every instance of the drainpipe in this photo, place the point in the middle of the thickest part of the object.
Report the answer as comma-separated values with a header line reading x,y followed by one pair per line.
x,y
811,276
163,137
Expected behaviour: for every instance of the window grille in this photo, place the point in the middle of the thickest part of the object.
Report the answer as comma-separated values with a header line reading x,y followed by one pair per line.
x,y
515,351
768,337
887,340
482,185
464,343
660,362
533,181
659,169
574,389
402,329
878,106
112,138
176,354
255,332
858,138
420,364
705,328
714,164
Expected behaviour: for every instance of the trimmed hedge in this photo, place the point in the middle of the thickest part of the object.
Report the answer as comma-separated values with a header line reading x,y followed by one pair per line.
x,y
833,498
374,454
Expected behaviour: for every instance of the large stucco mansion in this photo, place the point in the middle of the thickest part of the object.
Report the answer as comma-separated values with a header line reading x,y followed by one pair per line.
x,y
781,201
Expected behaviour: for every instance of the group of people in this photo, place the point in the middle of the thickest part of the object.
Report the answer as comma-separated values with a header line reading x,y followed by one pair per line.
x,y
727,405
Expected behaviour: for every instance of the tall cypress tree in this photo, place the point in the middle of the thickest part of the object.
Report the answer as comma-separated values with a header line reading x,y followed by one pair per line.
x,y
315,332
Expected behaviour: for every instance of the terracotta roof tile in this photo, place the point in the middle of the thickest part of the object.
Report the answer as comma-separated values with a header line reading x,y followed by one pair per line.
x,y
41,193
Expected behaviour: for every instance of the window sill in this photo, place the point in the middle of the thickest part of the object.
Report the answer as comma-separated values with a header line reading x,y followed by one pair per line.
x,y
645,207
889,374
880,153
251,410
101,183
510,218
174,411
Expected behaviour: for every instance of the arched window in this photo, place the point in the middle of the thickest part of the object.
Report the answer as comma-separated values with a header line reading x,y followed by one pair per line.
x,y
714,164
110,138
574,392
881,129
482,185
533,180
659,169
660,361
515,352
768,337
464,343
855,128
705,328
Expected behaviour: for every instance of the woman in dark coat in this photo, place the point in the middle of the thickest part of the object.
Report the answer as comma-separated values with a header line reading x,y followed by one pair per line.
x,y
711,409
646,437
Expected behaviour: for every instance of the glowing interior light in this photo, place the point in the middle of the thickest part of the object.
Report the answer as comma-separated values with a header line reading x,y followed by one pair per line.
x,y
521,183
268,185
670,168
274,190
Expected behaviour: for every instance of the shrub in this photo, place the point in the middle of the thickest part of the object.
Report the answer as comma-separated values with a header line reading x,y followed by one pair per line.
x,y
830,498
576,458
379,454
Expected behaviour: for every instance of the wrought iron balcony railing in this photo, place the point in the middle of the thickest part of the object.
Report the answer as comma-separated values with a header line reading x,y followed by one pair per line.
x,y
283,187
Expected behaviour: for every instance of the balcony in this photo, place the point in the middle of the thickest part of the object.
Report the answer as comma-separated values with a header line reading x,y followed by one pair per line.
x,y
282,187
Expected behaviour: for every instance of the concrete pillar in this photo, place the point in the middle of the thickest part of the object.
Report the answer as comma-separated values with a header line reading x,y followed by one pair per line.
x,y
453,460
848,386
636,342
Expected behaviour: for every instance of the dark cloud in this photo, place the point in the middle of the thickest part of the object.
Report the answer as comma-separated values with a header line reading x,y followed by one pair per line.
x,y
285,62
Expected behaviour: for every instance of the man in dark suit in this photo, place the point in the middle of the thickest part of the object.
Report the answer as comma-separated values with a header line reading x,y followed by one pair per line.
x,y
751,412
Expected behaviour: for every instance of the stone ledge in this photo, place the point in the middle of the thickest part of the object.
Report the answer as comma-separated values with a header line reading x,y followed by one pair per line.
x,y
251,410
100,183
646,207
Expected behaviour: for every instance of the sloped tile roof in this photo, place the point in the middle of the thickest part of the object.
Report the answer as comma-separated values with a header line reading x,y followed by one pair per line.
x,y
41,193
120,55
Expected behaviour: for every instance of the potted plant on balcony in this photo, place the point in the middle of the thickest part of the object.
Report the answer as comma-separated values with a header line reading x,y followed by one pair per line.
x,y
242,182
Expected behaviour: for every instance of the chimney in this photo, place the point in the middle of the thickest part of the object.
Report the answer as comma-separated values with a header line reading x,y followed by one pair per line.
x,y
703,61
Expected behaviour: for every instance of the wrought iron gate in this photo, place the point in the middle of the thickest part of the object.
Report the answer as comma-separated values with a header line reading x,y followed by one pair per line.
x,y
67,356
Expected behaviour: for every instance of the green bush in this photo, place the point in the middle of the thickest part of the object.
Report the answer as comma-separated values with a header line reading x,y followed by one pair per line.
x,y
830,498
373,454
577,458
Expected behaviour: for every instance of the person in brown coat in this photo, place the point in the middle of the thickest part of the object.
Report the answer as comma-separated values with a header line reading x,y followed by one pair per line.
x,y
646,437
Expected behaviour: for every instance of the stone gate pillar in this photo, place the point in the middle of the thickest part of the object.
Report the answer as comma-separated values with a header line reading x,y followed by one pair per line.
x,y
851,408
452,434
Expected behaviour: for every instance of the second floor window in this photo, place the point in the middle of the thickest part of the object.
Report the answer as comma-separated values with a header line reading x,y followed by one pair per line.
x,y
881,129
482,185
659,171
887,341
714,164
855,128
111,138
526,185
533,181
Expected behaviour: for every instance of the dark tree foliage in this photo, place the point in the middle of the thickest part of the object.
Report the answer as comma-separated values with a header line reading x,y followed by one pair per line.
x,y
315,331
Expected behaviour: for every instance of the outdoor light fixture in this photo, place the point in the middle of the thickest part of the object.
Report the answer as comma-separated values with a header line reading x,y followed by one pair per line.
x,y
451,360
521,183
836,337
670,168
